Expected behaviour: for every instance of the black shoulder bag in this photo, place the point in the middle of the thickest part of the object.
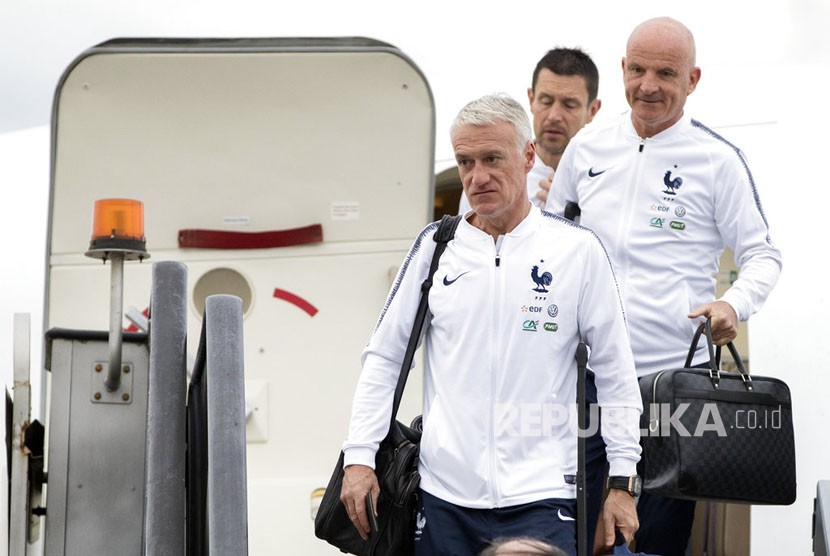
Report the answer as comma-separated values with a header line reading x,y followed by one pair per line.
x,y
713,435
396,462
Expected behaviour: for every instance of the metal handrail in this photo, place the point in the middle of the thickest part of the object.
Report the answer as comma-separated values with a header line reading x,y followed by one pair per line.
x,y
217,521
164,509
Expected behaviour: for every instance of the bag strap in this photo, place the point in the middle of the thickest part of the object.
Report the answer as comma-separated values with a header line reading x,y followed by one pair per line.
x,y
581,493
739,362
705,327
714,356
714,373
445,233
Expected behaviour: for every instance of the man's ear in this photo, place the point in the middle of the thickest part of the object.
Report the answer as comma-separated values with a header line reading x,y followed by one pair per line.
x,y
694,78
530,155
593,108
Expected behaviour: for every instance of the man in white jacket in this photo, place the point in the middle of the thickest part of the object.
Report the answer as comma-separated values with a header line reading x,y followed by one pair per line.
x,y
515,292
665,194
563,99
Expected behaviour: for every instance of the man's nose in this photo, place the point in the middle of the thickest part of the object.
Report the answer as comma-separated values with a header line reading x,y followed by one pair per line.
x,y
479,175
649,85
554,113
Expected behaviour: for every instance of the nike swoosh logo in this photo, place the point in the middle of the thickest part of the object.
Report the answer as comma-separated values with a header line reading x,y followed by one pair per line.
x,y
563,517
592,174
450,282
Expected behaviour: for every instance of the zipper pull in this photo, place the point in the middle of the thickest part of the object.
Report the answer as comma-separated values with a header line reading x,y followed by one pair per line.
x,y
642,144
499,241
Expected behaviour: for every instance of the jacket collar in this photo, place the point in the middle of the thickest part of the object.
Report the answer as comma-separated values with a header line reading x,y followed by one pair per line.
x,y
669,134
526,226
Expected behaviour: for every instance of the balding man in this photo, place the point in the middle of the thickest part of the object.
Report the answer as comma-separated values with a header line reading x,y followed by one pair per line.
x,y
665,194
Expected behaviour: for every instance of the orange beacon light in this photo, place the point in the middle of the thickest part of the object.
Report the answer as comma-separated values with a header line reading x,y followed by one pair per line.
x,y
118,227
117,235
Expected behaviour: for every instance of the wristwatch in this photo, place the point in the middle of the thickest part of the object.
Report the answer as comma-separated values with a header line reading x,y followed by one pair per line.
x,y
632,485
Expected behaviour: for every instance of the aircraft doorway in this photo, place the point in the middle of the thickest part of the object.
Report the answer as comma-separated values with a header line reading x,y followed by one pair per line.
x,y
448,192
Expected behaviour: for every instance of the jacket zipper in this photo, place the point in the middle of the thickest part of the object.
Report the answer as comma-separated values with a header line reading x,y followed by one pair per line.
x,y
493,373
656,420
625,222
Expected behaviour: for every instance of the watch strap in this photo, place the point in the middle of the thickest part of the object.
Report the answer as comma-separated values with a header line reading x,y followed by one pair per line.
x,y
629,484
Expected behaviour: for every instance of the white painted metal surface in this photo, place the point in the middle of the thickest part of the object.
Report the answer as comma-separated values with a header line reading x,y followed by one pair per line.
x,y
256,137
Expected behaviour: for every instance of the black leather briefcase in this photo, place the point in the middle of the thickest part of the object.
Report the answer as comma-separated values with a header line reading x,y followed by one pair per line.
x,y
714,435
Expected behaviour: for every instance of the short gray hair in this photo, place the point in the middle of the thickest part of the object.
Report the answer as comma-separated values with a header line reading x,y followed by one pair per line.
x,y
491,109
527,546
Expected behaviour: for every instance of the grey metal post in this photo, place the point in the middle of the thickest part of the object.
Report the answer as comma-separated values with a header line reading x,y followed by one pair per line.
x,y
164,509
227,476
18,501
113,379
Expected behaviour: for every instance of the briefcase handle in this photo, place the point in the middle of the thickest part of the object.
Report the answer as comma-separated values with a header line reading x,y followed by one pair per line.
x,y
705,328
738,362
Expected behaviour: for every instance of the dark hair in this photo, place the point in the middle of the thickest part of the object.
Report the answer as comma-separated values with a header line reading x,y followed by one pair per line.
x,y
570,61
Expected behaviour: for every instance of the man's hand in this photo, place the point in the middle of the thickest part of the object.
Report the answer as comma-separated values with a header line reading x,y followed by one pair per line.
x,y
724,320
357,481
545,189
619,512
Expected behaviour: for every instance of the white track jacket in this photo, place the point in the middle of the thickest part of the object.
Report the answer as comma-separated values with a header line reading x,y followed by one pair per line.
x,y
664,207
500,374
